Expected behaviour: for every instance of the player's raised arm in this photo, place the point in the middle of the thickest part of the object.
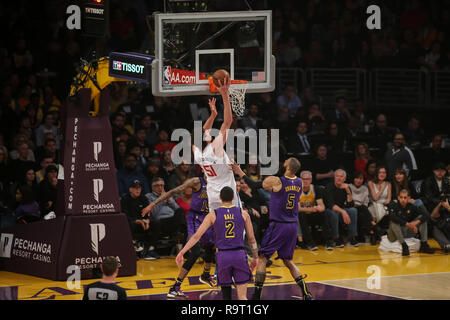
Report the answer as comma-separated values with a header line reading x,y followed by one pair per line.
x,y
190,183
272,183
207,222
227,114
209,123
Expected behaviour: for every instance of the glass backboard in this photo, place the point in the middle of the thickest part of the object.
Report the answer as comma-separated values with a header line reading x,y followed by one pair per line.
x,y
189,47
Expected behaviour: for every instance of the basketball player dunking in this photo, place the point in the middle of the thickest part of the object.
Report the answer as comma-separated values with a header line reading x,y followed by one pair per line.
x,y
281,235
229,224
213,159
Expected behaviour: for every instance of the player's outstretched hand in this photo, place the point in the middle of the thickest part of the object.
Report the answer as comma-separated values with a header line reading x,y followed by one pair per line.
x,y
237,169
179,259
212,106
224,86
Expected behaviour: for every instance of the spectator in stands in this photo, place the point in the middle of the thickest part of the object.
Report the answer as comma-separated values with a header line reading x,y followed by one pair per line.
x,y
119,153
400,156
317,122
413,134
383,134
435,153
362,157
380,192
299,143
141,140
134,148
290,99
132,204
371,169
435,186
311,212
340,114
118,125
153,170
167,165
163,142
27,209
254,204
405,222
168,215
18,140
151,131
19,166
360,196
322,166
48,190
182,172
441,223
49,149
129,173
431,58
338,142
46,126
30,180
252,119
340,211
308,97
401,182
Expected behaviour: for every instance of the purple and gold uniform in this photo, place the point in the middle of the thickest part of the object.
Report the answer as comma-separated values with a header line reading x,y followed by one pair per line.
x,y
197,212
281,235
231,259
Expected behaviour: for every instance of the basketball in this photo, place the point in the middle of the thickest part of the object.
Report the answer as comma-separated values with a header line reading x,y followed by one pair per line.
x,y
219,75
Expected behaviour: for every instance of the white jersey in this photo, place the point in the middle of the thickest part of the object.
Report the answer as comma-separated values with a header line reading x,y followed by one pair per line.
x,y
218,174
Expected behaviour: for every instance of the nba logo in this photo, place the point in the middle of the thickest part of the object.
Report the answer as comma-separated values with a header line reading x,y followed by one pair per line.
x,y
98,187
97,149
117,65
167,73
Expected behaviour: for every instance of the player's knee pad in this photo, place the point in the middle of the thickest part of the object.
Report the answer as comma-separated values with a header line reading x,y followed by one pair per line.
x,y
209,253
193,255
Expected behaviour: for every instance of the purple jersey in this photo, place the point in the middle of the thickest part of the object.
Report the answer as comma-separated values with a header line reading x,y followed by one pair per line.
x,y
229,228
283,205
199,201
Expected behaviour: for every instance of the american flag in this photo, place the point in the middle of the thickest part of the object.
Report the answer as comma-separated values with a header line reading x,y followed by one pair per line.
x,y
258,76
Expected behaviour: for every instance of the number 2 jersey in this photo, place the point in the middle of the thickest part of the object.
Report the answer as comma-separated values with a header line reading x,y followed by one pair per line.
x,y
218,173
283,205
229,228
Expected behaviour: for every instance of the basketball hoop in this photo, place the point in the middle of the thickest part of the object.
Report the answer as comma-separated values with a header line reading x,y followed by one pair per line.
x,y
237,94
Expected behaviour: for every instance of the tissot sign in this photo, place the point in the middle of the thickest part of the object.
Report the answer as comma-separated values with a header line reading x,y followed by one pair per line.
x,y
131,66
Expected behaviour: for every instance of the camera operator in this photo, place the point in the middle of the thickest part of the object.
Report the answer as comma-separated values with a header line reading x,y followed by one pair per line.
x,y
440,217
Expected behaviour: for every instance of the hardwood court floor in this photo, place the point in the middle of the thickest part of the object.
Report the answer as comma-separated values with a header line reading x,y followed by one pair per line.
x,y
340,274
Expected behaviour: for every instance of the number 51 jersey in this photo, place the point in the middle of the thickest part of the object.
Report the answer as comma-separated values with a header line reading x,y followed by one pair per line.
x,y
219,174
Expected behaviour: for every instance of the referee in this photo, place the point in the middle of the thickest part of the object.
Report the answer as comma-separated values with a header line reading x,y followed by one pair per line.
x,y
106,289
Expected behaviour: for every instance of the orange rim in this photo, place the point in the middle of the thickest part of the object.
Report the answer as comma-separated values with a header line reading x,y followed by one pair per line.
x,y
212,86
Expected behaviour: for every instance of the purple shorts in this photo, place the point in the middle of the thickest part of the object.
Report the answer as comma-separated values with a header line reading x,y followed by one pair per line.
x,y
280,237
232,268
194,220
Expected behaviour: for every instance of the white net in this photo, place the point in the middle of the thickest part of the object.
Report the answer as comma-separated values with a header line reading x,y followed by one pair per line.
x,y
237,99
